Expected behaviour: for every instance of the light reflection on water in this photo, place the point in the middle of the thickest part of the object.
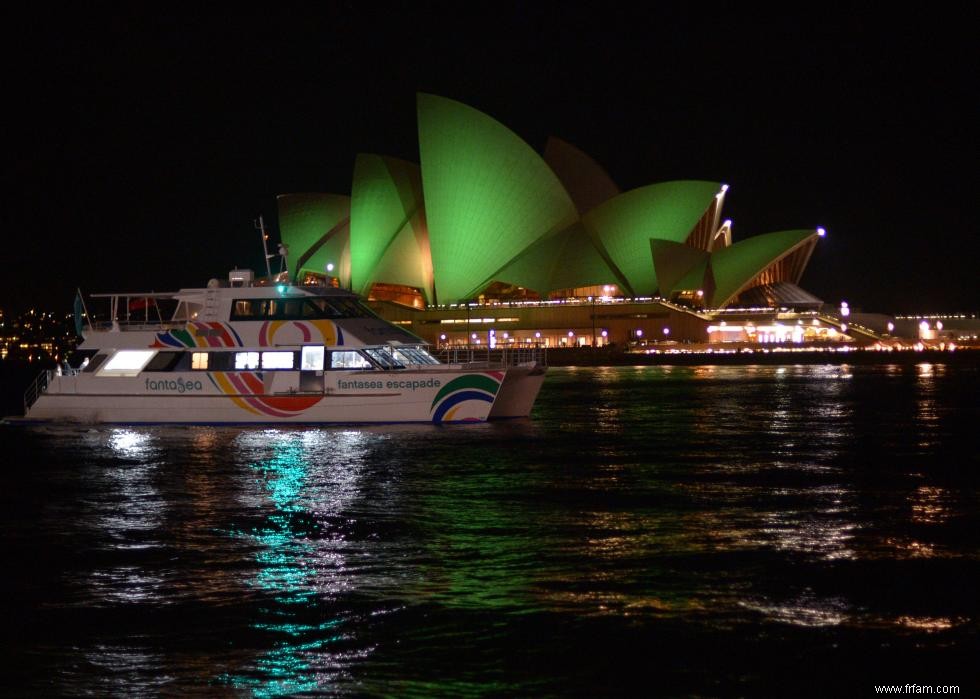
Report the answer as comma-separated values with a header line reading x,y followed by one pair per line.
x,y
807,610
306,477
746,504
930,505
129,513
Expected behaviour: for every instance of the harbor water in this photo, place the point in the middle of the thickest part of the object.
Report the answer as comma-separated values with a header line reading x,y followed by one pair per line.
x,y
655,531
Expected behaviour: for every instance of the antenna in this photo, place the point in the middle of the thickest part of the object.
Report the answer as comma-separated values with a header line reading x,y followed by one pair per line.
x,y
260,227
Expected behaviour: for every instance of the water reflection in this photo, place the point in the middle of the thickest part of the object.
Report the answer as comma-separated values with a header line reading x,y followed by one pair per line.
x,y
821,533
126,513
132,504
807,609
928,624
126,585
781,509
928,410
130,444
930,505
300,567
903,547
119,665
478,553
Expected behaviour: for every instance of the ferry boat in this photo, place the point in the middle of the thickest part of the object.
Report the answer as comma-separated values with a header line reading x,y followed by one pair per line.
x,y
240,351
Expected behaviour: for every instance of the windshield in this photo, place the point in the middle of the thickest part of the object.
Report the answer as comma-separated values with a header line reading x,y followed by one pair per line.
x,y
384,357
414,355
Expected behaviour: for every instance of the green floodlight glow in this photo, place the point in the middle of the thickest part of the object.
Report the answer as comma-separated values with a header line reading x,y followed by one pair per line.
x,y
388,237
484,207
624,226
316,228
737,265
562,261
678,266
488,195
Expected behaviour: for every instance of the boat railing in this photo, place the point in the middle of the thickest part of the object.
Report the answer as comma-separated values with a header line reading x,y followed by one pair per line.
x,y
483,354
35,390
141,324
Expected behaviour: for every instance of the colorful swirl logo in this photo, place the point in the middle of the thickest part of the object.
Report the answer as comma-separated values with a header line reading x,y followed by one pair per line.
x,y
328,331
463,398
247,390
197,334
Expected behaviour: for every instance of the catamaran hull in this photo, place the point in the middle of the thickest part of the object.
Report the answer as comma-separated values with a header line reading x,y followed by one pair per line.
x,y
346,398
518,392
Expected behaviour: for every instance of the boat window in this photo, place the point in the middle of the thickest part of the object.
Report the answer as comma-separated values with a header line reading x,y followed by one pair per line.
x,y
127,363
299,308
348,360
384,358
340,307
94,364
366,311
312,358
182,312
286,309
313,309
221,361
164,361
246,360
278,360
250,309
199,360
335,307
320,308
354,309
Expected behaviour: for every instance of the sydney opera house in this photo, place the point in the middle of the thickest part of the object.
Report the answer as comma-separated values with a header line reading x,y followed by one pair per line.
x,y
488,241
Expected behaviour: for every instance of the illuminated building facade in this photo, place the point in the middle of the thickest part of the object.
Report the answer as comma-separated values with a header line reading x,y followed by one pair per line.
x,y
487,232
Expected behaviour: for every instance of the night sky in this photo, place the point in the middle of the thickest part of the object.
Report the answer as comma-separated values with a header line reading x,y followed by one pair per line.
x,y
141,148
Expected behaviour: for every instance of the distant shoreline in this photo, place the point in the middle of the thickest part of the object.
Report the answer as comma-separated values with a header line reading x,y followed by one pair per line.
x,y
588,357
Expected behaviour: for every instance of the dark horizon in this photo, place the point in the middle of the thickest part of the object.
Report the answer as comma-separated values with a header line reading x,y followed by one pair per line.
x,y
145,147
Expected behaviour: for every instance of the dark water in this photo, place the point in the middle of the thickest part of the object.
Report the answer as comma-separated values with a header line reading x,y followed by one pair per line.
x,y
652,531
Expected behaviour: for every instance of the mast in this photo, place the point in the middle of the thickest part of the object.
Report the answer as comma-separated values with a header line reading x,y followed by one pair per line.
x,y
260,227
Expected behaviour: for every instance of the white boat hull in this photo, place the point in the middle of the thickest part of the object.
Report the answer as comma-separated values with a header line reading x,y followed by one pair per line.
x,y
441,394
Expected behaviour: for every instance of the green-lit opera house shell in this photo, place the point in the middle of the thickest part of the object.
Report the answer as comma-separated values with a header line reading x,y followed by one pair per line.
x,y
485,215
